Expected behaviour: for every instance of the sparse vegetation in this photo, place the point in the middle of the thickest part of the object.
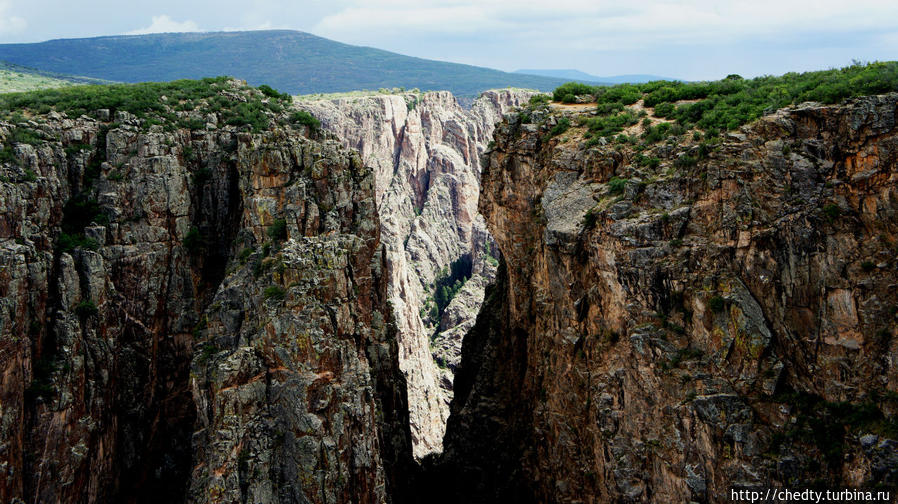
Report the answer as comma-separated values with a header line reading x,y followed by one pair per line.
x,y
729,103
194,241
86,308
145,100
447,285
277,231
617,185
275,292
563,125
831,211
306,119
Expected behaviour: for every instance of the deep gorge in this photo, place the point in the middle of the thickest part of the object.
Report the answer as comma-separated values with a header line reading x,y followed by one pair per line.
x,y
212,307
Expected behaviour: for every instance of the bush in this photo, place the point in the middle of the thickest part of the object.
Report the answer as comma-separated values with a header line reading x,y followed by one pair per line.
x,y
273,93
685,161
608,126
306,119
664,109
572,89
590,219
86,308
563,125
68,242
275,292
277,231
193,241
716,303
616,185
832,212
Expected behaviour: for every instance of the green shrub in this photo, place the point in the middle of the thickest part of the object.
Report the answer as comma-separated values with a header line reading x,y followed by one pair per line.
x,y
563,125
664,109
685,161
450,280
244,254
716,303
68,242
572,89
306,119
832,212
657,133
192,124
86,308
278,230
650,162
194,241
273,93
609,108
275,292
624,94
617,185
539,99
590,219
731,102
610,125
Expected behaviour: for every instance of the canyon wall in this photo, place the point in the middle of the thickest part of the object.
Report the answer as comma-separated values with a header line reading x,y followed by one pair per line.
x,y
425,149
726,318
193,312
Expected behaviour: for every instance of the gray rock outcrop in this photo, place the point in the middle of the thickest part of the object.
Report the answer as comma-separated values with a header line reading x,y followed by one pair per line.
x,y
425,149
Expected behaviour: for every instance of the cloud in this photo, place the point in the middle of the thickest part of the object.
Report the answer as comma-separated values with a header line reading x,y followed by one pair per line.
x,y
10,24
165,24
602,25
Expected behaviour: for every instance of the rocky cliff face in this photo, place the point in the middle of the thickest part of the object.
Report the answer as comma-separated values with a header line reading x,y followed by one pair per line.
x,y
660,334
193,313
425,150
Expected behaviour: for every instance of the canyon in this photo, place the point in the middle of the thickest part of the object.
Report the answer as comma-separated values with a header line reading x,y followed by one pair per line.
x,y
665,333
424,149
202,307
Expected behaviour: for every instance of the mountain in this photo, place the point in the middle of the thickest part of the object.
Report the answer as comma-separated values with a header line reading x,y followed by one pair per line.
x,y
577,75
291,61
14,78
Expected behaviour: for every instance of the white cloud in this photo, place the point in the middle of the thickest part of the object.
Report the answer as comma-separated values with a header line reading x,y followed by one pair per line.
x,y
165,24
10,24
605,25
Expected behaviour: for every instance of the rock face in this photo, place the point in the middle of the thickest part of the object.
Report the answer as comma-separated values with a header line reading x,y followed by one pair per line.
x,y
194,315
425,150
727,319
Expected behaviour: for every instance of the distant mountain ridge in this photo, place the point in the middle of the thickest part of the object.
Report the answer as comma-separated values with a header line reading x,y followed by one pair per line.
x,y
291,61
572,74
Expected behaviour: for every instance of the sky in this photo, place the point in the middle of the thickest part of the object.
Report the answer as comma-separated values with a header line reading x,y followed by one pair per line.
x,y
691,40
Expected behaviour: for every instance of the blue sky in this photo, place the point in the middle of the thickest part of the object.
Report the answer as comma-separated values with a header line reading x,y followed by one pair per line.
x,y
696,39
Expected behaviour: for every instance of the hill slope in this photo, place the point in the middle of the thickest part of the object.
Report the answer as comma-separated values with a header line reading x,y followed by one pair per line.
x,y
291,61
15,78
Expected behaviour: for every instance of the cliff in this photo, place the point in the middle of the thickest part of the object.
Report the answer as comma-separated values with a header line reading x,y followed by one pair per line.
x,y
193,306
425,149
661,331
